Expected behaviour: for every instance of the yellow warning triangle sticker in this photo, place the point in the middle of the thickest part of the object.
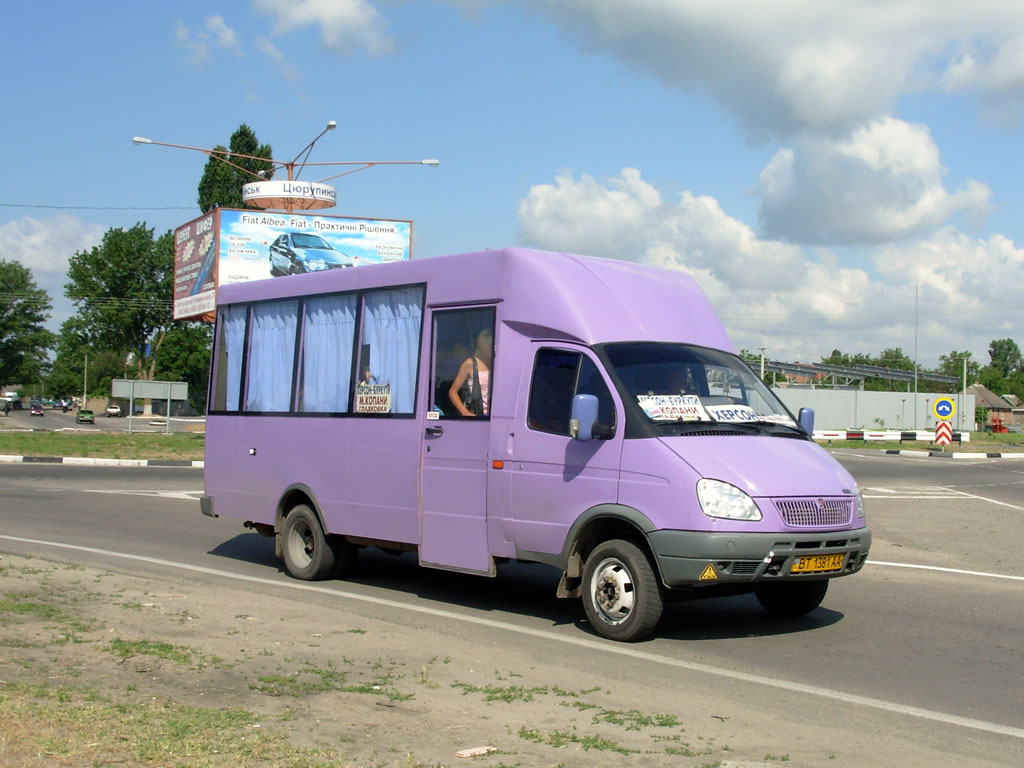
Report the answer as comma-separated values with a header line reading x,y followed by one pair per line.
x,y
709,573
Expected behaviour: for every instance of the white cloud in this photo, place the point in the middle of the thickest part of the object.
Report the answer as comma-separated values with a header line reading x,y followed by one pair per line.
x,y
45,246
883,181
269,50
799,65
197,45
345,25
225,36
995,72
799,304
200,42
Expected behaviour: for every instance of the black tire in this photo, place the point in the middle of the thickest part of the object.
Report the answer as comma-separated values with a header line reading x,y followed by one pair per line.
x,y
791,598
308,553
621,594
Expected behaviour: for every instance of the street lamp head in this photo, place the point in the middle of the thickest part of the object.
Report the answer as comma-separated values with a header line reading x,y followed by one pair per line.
x,y
141,140
331,125
431,162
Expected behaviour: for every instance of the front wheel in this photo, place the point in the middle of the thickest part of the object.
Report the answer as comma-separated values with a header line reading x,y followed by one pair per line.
x,y
791,598
621,594
308,553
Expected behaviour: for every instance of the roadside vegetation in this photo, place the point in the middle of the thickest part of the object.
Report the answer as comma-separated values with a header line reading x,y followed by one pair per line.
x,y
100,669
980,442
183,446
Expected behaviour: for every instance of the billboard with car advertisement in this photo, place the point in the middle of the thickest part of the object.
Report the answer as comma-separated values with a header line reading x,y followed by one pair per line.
x,y
228,245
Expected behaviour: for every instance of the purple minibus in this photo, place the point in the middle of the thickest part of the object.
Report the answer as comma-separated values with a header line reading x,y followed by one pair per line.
x,y
519,405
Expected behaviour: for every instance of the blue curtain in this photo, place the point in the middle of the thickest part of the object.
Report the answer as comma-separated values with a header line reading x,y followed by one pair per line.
x,y
271,356
233,321
327,337
391,330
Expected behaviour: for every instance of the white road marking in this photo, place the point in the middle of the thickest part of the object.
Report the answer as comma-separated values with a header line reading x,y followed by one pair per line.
x,y
984,498
184,495
958,571
606,646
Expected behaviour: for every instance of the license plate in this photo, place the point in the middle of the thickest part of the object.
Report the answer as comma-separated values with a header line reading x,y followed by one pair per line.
x,y
818,563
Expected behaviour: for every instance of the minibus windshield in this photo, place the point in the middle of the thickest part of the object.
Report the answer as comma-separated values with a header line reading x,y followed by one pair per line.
x,y
679,383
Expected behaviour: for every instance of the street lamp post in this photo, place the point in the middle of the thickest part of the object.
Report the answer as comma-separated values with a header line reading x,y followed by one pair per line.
x,y
293,168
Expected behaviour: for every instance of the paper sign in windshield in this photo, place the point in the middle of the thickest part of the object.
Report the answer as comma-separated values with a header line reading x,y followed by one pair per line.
x,y
778,418
732,413
673,407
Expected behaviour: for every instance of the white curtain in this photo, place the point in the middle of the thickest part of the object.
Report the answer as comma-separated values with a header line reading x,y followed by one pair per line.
x,y
271,356
327,340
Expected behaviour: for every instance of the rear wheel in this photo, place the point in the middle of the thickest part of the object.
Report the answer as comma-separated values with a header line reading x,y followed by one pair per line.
x,y
791,598
621,594
308,553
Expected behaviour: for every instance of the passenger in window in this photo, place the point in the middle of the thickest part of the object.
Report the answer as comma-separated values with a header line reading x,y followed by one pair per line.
x,y
470,392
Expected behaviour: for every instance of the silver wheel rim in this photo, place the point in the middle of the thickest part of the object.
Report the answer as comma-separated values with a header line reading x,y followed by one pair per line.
x,y
300,544
612,591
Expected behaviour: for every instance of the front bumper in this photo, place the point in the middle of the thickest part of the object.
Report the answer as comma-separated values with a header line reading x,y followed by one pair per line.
x,y
704,559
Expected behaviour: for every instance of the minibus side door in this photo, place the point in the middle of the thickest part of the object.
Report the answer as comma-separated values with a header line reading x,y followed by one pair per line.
x,y
556,478
453,497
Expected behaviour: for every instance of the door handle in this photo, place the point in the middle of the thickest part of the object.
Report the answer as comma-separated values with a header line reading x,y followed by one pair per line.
x,y
435,430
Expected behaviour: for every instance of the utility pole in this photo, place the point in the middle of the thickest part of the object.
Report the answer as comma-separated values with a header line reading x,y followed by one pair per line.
x,y
915,356
85,374
762,363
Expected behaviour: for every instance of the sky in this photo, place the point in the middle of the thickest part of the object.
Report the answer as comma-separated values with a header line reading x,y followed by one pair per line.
x,y
835,174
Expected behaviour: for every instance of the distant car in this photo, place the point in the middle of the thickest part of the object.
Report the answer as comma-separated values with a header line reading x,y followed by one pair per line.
x,y
113,410
85,416
37,408
49,402
16,404
296,252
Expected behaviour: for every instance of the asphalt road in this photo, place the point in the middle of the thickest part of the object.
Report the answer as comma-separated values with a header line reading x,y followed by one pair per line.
x,y
926,641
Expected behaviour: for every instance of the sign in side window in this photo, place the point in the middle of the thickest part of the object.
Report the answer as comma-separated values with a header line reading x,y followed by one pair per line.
x,y
462,372
230,347
271,356
328,336
559,375
389,351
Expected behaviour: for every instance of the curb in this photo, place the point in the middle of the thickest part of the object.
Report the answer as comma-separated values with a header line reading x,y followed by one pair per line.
x,y
100,462
955,455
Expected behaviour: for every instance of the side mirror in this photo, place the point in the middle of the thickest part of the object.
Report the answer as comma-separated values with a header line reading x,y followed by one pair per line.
x,y
806,419
584,415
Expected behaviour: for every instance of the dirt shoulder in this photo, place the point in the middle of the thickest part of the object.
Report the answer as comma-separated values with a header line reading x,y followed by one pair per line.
x,y
102,668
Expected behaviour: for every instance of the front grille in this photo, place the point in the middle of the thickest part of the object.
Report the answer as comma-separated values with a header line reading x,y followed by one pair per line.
x,y
815,513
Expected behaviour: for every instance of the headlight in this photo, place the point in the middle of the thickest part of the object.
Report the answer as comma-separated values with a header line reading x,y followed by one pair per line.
x,y
719,499
860,505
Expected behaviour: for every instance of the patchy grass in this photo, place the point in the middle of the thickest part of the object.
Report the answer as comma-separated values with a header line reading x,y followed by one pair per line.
x,y
506,693
310,680
184,446
46,725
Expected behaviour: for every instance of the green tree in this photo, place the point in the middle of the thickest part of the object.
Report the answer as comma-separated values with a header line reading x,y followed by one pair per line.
x,y
185,356
221,184
1005,356
122,289
24,342
953,365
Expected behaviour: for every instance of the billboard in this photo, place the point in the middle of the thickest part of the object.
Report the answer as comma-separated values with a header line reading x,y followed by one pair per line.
x,y
228,245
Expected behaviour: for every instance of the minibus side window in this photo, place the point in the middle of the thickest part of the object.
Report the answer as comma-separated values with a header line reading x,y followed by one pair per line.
x,y
230,346
271,356
460,337
558,375
389,351
326,365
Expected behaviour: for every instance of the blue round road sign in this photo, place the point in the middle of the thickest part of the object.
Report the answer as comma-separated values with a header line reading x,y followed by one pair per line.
x,y
944,408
